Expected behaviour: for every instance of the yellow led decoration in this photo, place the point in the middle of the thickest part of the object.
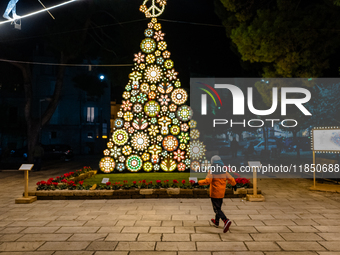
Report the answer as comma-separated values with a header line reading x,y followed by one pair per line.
x,y
175,130
157,26
194,134
150,58
110,144
168,165
128,116
169,64
147,167
192,124
140,141
166,54
107,165
172,74
162,45
146,156
179,96
127,150
153,73
126,95
158,53
106,152
153,130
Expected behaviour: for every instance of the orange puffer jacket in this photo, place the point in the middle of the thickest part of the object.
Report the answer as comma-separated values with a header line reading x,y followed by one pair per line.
x,y
217,183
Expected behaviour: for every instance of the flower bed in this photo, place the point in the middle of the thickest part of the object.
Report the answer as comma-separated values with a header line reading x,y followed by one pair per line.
x,y
71,186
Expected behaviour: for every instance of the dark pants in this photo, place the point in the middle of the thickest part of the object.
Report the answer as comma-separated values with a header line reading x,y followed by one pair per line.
x,y
37,164
217,204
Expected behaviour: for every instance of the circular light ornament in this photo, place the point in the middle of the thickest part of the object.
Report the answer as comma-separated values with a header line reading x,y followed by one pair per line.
x,y
119,123
120,137
162,45
194,134
148,45
169,64
110,144
152,95
106,152
151,108
181,167
179,155
172,107
107,165
184,113
153,73
146,156
184,138
156,167
134,163
184,127
127,150
147,167
197,150
179,96
120,167
144,88
137,108
148,32
128,116
140,141
175,130
116,152
170,143
195,166
192,124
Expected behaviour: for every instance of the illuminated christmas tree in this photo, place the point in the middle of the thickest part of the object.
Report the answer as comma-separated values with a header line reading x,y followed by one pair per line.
x,y
152,128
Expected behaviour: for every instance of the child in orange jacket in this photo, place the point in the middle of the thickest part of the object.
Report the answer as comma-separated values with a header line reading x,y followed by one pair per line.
x,y
217,179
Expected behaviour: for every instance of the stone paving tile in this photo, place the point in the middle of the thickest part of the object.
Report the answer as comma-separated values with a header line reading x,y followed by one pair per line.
x,y
149,237
161,230
205,237
148,223
194,253
20,246
301,237
108,223
301,246
175,237
44,237
67,223
235,237
292,253
184,217
262,246
11,237
172,223
272,229
196,223
329,253
279,223
242,230
37,230
153,253
28,223
136,246
303,229
239,253
125,223
135,230
267,237
141,212
184,230
110,229
156,217
74,253
221,246
121,237
28,253
102,246
248,223
175,246
331,245
64,246
261,217
111,253
77,230
332,229
88,237
327,236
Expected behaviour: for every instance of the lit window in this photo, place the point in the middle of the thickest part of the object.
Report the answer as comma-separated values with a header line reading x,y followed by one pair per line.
x,y
90,114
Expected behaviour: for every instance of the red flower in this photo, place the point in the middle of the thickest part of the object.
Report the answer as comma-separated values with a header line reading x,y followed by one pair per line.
x,y
167,180
81,182
150,182
64,181
192,182
183,181
140,181
108,183
158,181
144,181
175,181
74,185
55,183
134,182
121,185
38,183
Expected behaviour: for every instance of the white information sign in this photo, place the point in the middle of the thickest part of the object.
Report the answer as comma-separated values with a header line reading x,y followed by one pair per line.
x,y
326,140
26,167
193,179
256,164
105,180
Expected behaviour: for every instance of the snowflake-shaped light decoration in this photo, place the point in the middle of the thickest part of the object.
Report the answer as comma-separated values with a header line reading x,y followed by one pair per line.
x,y
139,58
184,137
107,165
194,134
148,45
150,58
116,152
153,130
137,108
144,88
134,163
126,105
184,113
170,143
197,150
121,159
179,96
172,74
151,108
159,36
162,45
120,137
153,73
140,141
164,100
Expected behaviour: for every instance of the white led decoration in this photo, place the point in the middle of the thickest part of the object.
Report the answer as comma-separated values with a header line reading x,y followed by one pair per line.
x,y
153,11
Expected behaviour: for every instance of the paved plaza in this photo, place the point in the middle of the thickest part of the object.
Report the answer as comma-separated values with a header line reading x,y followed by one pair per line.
x,y
292,220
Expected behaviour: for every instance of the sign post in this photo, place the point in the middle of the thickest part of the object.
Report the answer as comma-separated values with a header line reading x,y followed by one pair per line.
x,y
324,140
255,197
26,199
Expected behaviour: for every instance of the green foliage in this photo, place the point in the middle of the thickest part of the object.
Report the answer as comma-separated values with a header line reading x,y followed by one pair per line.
x,y
287,39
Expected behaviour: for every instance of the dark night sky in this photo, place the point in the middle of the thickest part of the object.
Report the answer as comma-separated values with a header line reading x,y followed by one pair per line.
x,y
197,50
